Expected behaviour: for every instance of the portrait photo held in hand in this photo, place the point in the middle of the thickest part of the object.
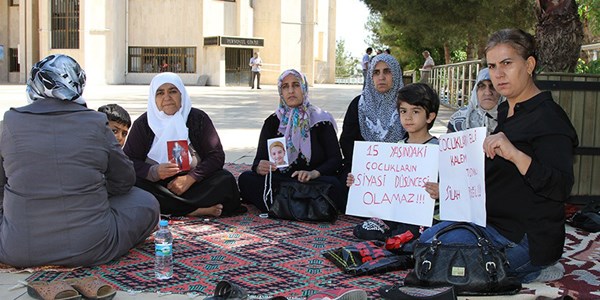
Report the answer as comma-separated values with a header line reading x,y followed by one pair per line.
x,y
278,152
178,153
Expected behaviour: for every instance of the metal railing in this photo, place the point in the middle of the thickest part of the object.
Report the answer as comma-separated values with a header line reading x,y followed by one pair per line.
x,y
454,82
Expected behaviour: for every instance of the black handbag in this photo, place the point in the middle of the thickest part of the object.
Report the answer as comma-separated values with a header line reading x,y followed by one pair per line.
x,y
473,269
307,202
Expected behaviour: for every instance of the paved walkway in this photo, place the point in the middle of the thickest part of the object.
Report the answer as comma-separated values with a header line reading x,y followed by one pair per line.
x,y
237,112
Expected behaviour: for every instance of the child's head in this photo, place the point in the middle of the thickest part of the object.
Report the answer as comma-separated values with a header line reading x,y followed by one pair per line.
x,y
277,152
118,121
415,98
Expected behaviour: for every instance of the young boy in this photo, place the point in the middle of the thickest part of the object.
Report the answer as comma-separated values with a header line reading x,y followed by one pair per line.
x,y
278,153
118,120
417,106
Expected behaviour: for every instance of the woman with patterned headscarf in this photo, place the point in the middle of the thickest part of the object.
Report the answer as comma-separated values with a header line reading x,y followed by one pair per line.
x,y
66,187
372,116
310,139
203,190
482,110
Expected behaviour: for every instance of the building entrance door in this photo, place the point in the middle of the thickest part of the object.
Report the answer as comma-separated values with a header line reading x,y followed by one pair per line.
x,y
237,70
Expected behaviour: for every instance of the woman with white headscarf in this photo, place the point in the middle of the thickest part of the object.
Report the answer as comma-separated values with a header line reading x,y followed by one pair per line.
x,y
372,116
206,189
310,138
66,187
482,110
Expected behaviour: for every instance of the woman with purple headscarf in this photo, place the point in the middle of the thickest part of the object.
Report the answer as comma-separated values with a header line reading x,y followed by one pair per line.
x,y
66,187
310,139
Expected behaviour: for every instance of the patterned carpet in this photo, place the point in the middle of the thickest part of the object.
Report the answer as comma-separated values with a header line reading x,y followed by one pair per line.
x,y
270,257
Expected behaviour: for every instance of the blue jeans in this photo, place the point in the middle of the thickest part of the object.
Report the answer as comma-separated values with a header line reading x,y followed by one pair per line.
x,y
517,254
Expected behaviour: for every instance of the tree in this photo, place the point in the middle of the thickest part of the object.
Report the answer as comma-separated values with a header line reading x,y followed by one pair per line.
x,y
559,34
344,63
442,26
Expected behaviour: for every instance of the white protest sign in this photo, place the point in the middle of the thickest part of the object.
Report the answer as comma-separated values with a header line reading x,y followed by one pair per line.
x,y
462,176
389,181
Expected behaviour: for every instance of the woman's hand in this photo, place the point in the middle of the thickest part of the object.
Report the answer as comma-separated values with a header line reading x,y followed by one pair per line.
x,y
433,188
166,170
305,176
264,166
181,184
349,180
498,144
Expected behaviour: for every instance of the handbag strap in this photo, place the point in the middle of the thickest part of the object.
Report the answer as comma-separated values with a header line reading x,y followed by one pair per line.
x,y
461,225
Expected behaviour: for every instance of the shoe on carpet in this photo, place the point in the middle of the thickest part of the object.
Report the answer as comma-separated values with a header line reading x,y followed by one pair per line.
x,y
400,292
341,294
551,273
58,290
228,290
92,288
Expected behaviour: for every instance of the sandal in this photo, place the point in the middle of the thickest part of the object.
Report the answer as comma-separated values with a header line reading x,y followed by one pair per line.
x,y
92,288
58,290
229,291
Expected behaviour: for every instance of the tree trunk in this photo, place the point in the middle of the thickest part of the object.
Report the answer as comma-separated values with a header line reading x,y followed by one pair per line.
x,y
559,34
447,53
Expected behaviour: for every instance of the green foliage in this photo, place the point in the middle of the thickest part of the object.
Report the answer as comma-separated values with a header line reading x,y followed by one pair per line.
x,y
593,67
589,11
412,26
344,63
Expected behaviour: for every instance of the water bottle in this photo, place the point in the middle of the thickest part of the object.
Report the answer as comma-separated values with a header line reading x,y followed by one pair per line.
x,y
163,249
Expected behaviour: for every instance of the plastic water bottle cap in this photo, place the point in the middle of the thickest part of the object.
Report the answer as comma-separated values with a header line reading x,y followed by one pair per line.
x,y
163,223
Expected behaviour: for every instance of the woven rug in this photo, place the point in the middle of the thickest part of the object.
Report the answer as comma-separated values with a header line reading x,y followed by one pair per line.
x,y
266,257
270,257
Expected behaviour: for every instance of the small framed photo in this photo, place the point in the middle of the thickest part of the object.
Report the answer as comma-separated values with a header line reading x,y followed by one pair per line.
x,y
278,152
178,153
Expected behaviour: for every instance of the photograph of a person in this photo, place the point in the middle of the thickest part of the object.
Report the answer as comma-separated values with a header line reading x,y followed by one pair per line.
x,y
178,153
277,152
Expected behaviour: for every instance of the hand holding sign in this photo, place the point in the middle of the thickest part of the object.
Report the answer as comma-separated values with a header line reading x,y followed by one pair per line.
x,y
462,181
389,181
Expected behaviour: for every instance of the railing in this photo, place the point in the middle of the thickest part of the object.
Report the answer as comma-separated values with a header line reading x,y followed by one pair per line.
x,y
454,82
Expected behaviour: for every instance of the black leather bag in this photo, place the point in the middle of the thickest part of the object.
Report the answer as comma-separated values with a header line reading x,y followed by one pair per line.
x,y
473,269
307,202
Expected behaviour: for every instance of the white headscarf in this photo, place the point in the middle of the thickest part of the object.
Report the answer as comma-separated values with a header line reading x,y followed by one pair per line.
x,y
473,115
167,128
377,114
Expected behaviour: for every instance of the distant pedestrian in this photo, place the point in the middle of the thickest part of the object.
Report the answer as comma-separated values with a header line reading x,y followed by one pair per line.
x,y
255,63
427,66
365,64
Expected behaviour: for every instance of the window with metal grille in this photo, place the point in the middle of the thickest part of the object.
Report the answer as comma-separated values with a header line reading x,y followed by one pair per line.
x,y
14,2
13,57
162,59
64,24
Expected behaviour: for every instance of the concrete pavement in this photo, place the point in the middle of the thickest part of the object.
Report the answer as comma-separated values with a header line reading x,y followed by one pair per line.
x,y
237,112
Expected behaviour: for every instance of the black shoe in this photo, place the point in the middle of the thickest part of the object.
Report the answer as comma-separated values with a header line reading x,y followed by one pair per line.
x,y
259,88
400,292
227,290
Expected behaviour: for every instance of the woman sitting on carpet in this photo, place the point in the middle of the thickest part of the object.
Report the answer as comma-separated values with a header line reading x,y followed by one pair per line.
x,y
311,141
66,187
207,189
482,110
372,116
528,165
